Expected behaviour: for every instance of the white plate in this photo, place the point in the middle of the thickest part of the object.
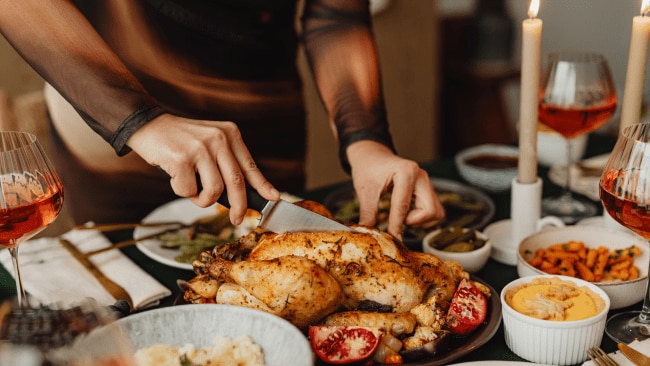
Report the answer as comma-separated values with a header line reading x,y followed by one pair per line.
x,y
182,210
282,343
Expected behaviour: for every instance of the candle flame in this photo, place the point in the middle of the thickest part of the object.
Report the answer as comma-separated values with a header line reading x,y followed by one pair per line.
x,y
645,7
534,8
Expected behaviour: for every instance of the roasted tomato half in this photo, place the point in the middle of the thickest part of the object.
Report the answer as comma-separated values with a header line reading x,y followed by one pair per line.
x,y
343,344
467,310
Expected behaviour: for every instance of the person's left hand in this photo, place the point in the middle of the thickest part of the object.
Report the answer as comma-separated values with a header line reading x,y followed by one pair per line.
x,y
375,169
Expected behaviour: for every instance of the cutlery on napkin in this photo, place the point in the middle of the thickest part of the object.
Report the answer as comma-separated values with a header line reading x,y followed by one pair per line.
x,y
52,275
633,355
621,359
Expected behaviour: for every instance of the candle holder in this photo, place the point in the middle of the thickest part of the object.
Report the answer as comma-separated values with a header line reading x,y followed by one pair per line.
x,y
525,212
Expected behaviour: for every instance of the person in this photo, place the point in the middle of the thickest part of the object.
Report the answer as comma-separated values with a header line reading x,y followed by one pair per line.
x,y
209,90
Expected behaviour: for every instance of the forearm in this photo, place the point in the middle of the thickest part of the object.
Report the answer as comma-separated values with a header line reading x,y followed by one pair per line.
x,y
56,39
343,57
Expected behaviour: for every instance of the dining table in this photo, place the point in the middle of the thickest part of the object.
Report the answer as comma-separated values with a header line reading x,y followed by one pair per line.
x,y
496,274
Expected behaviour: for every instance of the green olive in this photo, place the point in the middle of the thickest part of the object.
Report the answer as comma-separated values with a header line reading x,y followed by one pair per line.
x,y
461,246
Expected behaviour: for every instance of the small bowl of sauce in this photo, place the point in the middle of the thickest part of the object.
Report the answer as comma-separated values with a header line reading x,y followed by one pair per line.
x,y
490,167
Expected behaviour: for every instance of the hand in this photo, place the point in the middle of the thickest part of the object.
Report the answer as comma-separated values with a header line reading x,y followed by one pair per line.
x,y
375,169
214,150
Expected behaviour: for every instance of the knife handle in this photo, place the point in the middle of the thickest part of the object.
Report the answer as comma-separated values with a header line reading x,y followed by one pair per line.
x,y
255,201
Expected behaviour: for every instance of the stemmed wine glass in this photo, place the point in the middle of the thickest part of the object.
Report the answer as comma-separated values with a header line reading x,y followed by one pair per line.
x,y
625,193
31,195
577,96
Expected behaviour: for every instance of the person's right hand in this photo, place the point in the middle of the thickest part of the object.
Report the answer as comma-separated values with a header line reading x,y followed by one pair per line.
x,y
213,150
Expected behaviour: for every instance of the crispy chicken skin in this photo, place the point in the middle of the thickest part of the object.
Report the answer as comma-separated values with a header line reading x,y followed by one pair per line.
x,y
291,287
330,278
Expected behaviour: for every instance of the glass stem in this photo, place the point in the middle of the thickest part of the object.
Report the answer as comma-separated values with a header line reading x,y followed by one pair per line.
x,y
20,290
644,316
566,190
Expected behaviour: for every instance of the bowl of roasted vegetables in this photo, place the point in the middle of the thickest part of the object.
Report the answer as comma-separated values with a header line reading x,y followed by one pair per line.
x,y
615,261
465,206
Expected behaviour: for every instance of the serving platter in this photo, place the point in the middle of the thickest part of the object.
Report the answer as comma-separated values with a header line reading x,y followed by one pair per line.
x,y
463,346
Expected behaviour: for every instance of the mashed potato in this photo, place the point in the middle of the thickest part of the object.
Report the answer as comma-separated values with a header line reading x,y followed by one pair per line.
x,y
240,351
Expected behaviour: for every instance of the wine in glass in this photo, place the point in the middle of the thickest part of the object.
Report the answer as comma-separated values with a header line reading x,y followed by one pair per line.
x,y
31,195
577,97
625,194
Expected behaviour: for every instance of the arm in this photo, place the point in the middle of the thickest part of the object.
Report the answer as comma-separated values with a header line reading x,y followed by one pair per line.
x,y
63,47
56,39
343,57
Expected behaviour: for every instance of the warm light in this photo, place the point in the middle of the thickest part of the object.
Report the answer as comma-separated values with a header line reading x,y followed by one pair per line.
x,y
645,7
534,8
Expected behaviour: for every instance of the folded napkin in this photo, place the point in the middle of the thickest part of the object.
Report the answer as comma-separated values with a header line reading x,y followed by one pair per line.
x,y
51,275
618,356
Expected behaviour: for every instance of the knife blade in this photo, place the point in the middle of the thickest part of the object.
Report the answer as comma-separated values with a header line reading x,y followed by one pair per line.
x,y
282,216
113,288
633,355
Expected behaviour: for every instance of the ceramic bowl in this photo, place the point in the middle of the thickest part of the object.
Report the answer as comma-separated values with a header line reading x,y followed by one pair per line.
x,y
550,341
472,261
281,342
489,167
621,293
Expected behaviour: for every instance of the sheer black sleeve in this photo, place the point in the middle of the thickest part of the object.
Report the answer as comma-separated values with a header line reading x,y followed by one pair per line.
x,y
56,39
342,54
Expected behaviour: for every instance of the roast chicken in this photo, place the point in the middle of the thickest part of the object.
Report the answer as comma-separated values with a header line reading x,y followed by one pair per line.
x,y
363,277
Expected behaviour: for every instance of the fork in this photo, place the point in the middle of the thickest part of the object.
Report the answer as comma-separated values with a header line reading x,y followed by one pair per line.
x,y
600,358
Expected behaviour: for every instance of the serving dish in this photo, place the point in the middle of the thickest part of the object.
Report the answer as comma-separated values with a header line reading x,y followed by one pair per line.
x,y
621,293
460,346
472,260
491,167
282,343
554,342
464,346
480,208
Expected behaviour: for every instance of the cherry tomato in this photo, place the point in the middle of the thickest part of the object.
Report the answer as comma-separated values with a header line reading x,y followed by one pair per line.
x,y
467,310
339,345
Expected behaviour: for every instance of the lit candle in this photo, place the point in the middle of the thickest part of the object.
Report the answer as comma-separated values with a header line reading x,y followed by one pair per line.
x,y
636,64
529,95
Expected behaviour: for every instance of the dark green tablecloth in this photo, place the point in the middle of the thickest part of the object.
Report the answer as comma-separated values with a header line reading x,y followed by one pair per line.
x,y
494,273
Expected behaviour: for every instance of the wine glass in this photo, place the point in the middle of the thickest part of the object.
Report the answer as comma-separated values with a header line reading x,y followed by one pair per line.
x,y
577,96
625,194
31,195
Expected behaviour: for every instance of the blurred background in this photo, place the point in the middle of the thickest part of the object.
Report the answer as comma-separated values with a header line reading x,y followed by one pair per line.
x,y
450,71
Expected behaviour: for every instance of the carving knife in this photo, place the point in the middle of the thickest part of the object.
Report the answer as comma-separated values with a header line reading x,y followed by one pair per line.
x,y
282,216
633,355
113,288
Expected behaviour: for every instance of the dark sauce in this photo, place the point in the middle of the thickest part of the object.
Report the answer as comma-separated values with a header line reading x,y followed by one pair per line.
x,y
491,161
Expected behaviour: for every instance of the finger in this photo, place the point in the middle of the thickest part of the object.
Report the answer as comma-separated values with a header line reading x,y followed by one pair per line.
x,y
400,204
368,206
182,180
248,167
235,186
427,209
211,182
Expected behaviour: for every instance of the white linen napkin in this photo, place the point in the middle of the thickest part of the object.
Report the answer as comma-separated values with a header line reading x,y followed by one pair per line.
x,y
51,275
618,356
